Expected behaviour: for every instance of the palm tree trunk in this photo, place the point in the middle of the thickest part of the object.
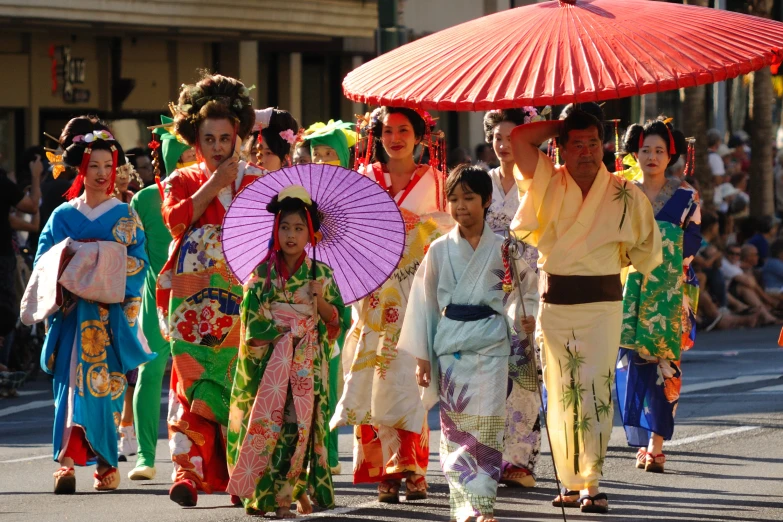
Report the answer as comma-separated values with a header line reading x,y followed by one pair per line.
x,y
761,183
695,124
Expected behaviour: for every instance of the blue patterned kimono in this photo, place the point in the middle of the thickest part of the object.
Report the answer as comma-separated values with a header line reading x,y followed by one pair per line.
x,y
659,321
90,346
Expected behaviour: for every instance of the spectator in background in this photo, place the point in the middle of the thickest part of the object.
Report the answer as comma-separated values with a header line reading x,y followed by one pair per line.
x,y
485,157
778,173
766,232
458,156
738,160
142,164
715,140
772,273
302,154
724,190
11,196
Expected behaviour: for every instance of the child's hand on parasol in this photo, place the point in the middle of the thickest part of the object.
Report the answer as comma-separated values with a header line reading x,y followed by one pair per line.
x,y
423,371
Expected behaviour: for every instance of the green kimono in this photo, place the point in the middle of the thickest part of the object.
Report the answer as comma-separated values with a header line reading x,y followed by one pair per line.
x,y
279,403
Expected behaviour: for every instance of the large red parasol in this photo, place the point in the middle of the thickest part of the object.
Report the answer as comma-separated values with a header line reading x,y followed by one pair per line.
x,y
568,51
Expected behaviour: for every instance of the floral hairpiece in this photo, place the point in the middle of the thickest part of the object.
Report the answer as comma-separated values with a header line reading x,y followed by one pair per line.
x,y
427,117
56,160
92,136
289,136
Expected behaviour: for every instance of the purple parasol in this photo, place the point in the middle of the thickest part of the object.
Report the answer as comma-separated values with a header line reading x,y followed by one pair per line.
x,y
363,230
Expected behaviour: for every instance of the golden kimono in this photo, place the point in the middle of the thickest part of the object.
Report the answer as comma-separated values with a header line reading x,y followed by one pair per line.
x,y
583,244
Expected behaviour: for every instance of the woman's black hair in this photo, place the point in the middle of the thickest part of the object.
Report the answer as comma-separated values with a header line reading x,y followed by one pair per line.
x,y
471,178
656,128
494,118
80,126
380,114
295,206
280,121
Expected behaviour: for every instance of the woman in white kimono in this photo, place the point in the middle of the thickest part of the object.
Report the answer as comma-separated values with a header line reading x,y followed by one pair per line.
x,y
523,429
456,326
380,396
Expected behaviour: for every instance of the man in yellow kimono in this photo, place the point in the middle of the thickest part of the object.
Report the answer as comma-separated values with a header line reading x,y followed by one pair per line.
x,y
587,225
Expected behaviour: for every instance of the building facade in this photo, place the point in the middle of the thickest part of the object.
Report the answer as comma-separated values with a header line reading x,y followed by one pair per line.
x,y
126,60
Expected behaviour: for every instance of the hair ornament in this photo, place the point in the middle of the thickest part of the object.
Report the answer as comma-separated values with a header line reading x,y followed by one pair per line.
x,y
92,136
289,136
56,160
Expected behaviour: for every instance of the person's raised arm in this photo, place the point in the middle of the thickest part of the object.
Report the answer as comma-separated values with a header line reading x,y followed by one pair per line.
x,y
525,140
29,204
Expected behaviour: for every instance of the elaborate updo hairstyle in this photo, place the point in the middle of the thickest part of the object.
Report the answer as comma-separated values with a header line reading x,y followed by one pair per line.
x,y
79,138
674,139
494,118
281,124
214,96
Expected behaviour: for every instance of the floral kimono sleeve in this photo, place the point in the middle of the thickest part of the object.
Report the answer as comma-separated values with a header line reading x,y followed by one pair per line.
x,y
257,320
130,232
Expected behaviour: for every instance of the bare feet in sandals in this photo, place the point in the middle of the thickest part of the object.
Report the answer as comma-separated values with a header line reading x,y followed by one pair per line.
x,y
592,501
486,518
389,491
303,505
415,487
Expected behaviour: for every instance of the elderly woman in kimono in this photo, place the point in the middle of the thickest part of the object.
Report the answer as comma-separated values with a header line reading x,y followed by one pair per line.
x,y
587,225
93,338
659,322
456,327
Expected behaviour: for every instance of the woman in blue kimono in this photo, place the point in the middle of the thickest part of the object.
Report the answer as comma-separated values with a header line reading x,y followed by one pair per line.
x,y
90,345
659,320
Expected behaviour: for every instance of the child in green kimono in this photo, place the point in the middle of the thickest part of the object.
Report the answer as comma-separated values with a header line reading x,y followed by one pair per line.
x,y
458,325
291,314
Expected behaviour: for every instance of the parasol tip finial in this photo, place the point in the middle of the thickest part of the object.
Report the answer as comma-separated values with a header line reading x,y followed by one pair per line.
x,y
569,2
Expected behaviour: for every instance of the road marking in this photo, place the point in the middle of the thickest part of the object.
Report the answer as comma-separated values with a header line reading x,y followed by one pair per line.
x,y
37,457
25,407
746,379
713,435
27,393
730,353
42,404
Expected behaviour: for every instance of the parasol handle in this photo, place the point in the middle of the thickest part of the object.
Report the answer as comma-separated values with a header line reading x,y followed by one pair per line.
x,y
515,250
315,299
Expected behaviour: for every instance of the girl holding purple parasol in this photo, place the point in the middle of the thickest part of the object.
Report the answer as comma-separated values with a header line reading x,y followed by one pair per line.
x,y
291,314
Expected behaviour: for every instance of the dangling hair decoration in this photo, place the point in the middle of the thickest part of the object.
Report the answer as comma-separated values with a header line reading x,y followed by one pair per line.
x,y
618,161
690,157
78,182
672,146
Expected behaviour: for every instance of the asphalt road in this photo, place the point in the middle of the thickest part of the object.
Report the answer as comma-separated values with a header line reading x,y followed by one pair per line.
x,y
724,464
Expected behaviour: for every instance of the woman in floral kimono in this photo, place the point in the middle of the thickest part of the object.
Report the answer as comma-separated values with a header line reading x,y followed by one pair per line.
x,y
392,439
197,297
523,429
658,310
292,313
90,345
461,310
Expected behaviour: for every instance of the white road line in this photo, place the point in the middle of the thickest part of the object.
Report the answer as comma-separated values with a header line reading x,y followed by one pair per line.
x,y
738,395
42,404
730,353
713,435
25,407
746,379
27,393
37,457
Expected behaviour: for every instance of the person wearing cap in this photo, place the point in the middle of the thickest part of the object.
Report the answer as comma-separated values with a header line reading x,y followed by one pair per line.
x,y
149,383
331,142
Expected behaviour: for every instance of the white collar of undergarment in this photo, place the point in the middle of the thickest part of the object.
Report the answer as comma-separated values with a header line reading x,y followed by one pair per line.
x,y
94,213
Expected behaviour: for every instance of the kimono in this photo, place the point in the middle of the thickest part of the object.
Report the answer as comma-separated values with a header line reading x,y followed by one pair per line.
x,y
198,303
90,346
280,400
146,400
583,244
659,320
392,438
457,319
522,442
